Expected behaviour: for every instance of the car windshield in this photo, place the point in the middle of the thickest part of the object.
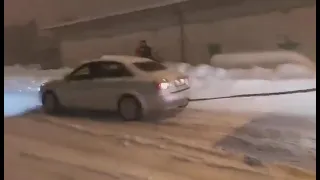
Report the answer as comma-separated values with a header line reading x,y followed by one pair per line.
x,y
150,66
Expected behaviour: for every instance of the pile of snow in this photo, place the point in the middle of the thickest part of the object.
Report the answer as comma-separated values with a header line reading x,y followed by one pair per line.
x,y
205,80
264,59
33,70
284,71
29,78
17,103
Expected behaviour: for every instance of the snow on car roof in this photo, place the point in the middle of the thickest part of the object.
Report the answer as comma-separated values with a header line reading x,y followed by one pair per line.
x,y
119,58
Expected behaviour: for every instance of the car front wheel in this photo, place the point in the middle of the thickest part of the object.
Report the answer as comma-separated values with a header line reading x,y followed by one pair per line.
x,y
130,108
50,103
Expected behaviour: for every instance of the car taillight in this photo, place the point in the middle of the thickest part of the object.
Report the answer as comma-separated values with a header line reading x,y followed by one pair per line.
x,y
182,81
186,80
163,85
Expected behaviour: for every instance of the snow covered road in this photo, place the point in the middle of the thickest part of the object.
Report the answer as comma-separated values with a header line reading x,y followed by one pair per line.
x,y
185,146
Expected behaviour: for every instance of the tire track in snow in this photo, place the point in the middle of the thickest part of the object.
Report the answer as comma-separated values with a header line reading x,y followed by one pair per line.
x,y
173,147
164,156
166,139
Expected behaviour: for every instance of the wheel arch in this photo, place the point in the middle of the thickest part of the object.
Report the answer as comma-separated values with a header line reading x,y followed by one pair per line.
x,y
49,91
139,97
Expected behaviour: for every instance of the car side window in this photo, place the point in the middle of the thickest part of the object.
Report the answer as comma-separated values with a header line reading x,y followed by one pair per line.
x,y
110,70
81,73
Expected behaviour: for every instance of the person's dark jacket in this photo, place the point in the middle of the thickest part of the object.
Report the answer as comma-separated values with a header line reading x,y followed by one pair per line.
x,y
144,51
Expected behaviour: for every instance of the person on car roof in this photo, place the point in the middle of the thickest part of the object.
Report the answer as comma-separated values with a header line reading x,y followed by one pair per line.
x,y
143,50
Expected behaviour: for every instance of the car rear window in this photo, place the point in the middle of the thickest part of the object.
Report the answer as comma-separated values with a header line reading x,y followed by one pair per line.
x,y
150,66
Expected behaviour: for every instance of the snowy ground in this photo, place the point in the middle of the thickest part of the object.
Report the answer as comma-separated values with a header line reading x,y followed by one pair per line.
x,y
274,129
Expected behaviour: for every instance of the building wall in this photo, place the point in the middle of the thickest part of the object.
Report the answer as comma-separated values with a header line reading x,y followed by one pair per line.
x,y
23,44
19,47
50,12
251,33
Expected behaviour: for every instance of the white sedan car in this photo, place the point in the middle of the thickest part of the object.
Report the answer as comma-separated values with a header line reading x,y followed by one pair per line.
x,y
133,86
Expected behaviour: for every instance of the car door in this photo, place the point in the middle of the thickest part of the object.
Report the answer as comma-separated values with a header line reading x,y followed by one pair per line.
x,y
77,91
111,79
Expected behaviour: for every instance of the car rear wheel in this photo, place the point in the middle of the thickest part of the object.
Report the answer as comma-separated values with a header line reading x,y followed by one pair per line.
x,y
130,108
185,105
50,103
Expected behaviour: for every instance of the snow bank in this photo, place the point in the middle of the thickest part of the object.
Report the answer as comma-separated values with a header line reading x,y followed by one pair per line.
x,y
206,81
33,70
28,79
303,104
18,103
285,71
262,59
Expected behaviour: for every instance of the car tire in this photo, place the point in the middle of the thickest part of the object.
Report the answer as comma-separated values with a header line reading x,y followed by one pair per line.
x,y
50,103
185,105
130,108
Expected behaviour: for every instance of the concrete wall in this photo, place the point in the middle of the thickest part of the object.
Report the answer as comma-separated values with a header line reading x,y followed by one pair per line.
x,y
254,33
25,44
19,42
50,12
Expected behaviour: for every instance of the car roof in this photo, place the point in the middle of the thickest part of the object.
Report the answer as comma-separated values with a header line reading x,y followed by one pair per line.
x,y
120,59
